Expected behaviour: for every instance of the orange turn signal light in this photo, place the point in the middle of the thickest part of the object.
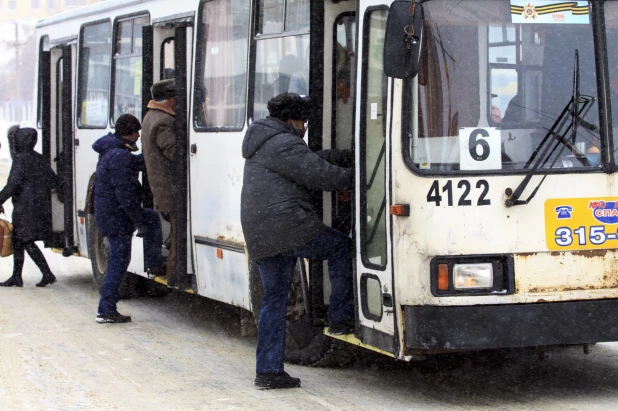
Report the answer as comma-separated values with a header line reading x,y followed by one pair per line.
x,y
443,277
400,209
219,253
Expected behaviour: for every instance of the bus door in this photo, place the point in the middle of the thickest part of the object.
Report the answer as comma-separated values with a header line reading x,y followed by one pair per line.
x,y
57,66
374,266
168,53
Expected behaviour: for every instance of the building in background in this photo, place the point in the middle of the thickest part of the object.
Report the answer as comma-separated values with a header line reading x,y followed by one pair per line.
x,y
33,10
18,48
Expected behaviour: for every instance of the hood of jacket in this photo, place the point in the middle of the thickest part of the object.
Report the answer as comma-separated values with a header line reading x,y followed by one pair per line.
x,y
261,131
110,142
25,140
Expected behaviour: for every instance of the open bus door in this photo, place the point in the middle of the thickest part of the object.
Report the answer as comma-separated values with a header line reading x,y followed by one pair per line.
x,y
374,266
56,72
168,54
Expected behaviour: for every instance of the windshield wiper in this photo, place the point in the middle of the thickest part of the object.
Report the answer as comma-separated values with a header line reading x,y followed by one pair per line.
x,y
577,107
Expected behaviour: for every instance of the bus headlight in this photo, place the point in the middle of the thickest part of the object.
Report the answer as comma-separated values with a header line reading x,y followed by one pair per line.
x,y
473,276
486,274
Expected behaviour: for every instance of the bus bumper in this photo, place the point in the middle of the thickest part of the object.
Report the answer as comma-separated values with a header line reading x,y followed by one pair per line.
x,y
445,328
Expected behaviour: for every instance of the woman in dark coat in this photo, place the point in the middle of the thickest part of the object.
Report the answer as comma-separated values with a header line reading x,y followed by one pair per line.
x,y
30,183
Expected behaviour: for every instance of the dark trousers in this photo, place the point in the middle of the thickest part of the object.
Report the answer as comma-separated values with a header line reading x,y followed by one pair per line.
x,y
171,257
276,273
153,240
120,257
19,249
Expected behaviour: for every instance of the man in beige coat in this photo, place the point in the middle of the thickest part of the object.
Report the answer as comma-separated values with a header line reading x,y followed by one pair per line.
x,y
159,148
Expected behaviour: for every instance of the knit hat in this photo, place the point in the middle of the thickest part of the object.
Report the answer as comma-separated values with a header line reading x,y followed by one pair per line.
x,y
163,89
127,125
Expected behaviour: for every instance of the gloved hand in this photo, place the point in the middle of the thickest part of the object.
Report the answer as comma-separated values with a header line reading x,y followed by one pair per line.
x,y
141,231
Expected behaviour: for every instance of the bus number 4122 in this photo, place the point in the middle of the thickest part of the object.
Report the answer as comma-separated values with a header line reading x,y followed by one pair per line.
x,y
464,186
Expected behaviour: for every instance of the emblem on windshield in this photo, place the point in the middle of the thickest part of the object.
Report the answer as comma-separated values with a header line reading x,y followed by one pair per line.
x,y
529,12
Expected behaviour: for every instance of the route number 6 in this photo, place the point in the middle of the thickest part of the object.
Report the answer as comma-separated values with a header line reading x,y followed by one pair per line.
x,y
474,143
479,148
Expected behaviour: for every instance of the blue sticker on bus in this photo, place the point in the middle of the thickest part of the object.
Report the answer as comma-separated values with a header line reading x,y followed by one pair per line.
x,y
604,212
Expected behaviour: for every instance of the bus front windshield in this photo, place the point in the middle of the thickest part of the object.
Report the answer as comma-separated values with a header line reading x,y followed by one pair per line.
x,y
496,90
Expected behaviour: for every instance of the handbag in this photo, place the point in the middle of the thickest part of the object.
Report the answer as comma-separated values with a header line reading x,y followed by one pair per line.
x,y
6,243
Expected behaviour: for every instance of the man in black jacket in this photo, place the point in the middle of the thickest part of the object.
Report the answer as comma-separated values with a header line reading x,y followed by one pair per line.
x,y
281,224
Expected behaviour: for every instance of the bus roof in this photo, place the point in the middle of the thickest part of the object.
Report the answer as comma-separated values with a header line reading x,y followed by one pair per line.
x,y
89,10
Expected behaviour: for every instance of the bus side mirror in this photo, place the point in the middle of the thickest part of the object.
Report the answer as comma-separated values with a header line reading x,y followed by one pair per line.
x,y
403,39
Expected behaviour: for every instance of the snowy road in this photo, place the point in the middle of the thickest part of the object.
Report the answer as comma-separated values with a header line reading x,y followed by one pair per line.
x,y
186,353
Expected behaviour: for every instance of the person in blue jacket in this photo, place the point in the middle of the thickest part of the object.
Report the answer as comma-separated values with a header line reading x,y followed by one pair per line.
x,y
118,212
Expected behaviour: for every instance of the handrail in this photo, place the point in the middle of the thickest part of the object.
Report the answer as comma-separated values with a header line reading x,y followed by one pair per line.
x,y
375,169
375,226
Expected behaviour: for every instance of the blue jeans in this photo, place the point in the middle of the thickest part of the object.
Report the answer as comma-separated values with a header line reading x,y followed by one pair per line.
x,y
277,272
120,257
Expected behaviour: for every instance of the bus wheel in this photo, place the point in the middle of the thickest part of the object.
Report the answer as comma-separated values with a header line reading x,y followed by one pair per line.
x,y
305,343
98,252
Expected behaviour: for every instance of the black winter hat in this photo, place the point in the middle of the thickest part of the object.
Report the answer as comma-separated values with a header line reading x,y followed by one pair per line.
x,y
127,125
286,106
163,89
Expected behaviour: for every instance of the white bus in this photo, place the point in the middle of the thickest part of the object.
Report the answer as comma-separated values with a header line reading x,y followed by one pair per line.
x,y
485,211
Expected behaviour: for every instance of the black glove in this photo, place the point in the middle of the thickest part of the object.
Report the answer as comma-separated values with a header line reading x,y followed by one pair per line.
x,y
141,231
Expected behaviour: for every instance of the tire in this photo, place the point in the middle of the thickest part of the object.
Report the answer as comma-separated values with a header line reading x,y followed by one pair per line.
x,y
98,252
305,343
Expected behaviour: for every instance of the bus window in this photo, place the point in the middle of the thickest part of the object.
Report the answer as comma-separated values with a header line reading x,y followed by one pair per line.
x,y
59,117
127,74
344,75
221,78
43,46
373,143
282,66
282,63
489,89
168,66
297,15
93,75
270,18
611,26
344,79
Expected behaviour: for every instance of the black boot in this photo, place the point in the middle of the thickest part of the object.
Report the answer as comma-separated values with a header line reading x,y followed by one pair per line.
x,y
47,279
14,281
276,380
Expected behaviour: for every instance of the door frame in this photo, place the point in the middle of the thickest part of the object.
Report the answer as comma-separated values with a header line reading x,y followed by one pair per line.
x,y
376,331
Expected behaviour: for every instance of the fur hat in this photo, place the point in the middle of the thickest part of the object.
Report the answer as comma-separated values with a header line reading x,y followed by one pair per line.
x,y
163,89
287,106
127,125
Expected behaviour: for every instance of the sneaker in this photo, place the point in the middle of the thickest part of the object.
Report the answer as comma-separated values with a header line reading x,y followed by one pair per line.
x,y
341,328
276,380
115,318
